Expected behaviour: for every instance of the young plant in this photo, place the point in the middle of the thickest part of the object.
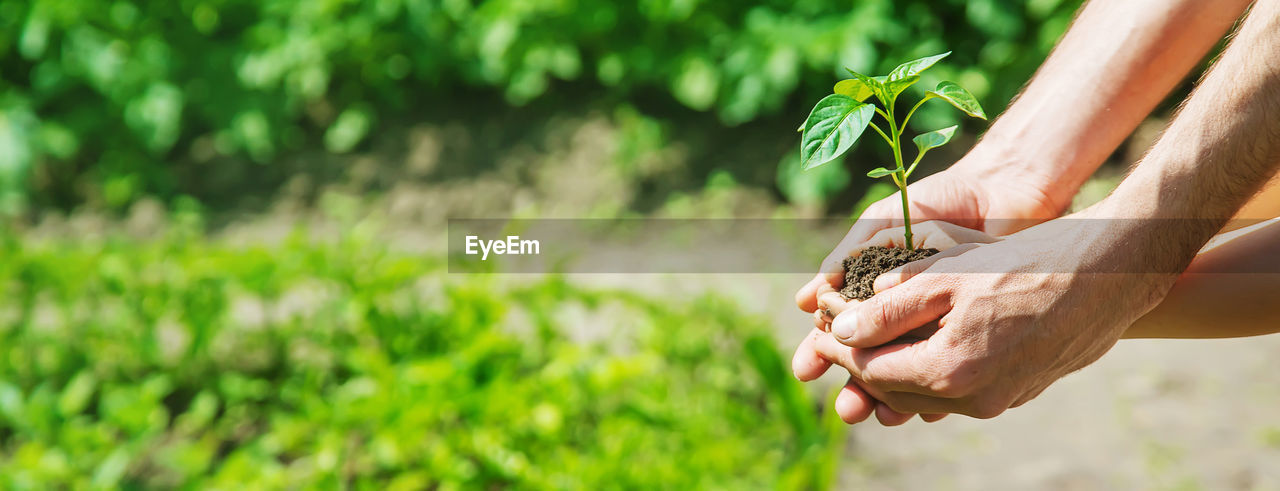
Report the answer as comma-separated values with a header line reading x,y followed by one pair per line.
x,y
840,118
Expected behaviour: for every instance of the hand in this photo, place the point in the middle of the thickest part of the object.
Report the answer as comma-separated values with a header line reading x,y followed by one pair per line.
x,y
995,202
1013,317
853,403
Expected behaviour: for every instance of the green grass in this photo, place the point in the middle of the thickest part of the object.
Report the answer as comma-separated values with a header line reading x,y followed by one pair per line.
x,y
183,362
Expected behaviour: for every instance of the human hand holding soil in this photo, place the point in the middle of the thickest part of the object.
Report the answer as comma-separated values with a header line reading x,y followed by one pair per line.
x,y
1017,315
855,402
990,202
1000,334
1053,301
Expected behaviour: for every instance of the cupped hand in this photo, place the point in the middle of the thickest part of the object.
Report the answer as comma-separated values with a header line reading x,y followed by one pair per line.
x,y
856,402
1013,317
986,202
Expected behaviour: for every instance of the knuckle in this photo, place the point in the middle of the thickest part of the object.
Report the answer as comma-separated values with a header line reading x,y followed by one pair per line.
x,y
898,404
946,387
873,378
875,315
955,380
951,385
845,359
988,407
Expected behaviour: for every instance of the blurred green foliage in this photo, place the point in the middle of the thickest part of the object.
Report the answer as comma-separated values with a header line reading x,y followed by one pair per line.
x,y
180,362
107,95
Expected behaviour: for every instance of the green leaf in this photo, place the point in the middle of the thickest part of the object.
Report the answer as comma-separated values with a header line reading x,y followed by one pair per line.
x,y
958,97
895,87
855,88
879,172
934,139
833,125
75,396
914,67
876,84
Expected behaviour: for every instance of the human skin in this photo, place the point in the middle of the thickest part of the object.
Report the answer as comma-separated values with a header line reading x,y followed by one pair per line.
x,y
1212,299
1124,57
1055,297
1227,291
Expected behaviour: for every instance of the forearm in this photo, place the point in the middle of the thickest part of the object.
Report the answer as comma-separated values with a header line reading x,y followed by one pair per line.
x,y
1116,62
1223,145
1228,291
1264,205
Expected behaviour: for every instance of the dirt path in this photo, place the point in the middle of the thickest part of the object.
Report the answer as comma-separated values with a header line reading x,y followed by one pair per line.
x,y
1152,414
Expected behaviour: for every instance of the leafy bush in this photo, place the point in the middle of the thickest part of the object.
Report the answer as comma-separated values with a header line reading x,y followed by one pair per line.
x,y
115,91
185,363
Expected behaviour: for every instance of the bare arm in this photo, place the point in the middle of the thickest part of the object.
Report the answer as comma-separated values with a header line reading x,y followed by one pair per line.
x,y
1114,65
1222,147
1070,290
1265,205
1118,60
1220,150
1228,291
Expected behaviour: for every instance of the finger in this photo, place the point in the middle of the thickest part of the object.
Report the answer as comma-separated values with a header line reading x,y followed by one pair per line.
x,y
831,272
1027,397
930,418
806,365
870,366
890,314
807,295
901,274
901,367
832,303
956,234
889,237
875,394
830,277
853,405
905,402
942,235
820,321
889,417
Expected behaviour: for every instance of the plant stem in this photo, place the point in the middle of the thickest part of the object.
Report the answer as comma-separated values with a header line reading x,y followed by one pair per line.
x,y
881,132
912,111
906,215
900,177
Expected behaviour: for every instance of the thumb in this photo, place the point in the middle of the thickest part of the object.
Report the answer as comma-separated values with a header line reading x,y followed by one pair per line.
x,y
890,314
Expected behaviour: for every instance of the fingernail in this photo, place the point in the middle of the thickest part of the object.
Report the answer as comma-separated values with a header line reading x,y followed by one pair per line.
x,y
842,327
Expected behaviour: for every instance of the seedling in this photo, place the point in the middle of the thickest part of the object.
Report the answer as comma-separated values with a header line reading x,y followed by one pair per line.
x,y
840,118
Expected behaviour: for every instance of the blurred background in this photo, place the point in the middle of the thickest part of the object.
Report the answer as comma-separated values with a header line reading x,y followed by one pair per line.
x,y
223,224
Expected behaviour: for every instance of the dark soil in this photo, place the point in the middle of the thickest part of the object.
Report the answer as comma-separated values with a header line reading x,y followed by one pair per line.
x,y
861,270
